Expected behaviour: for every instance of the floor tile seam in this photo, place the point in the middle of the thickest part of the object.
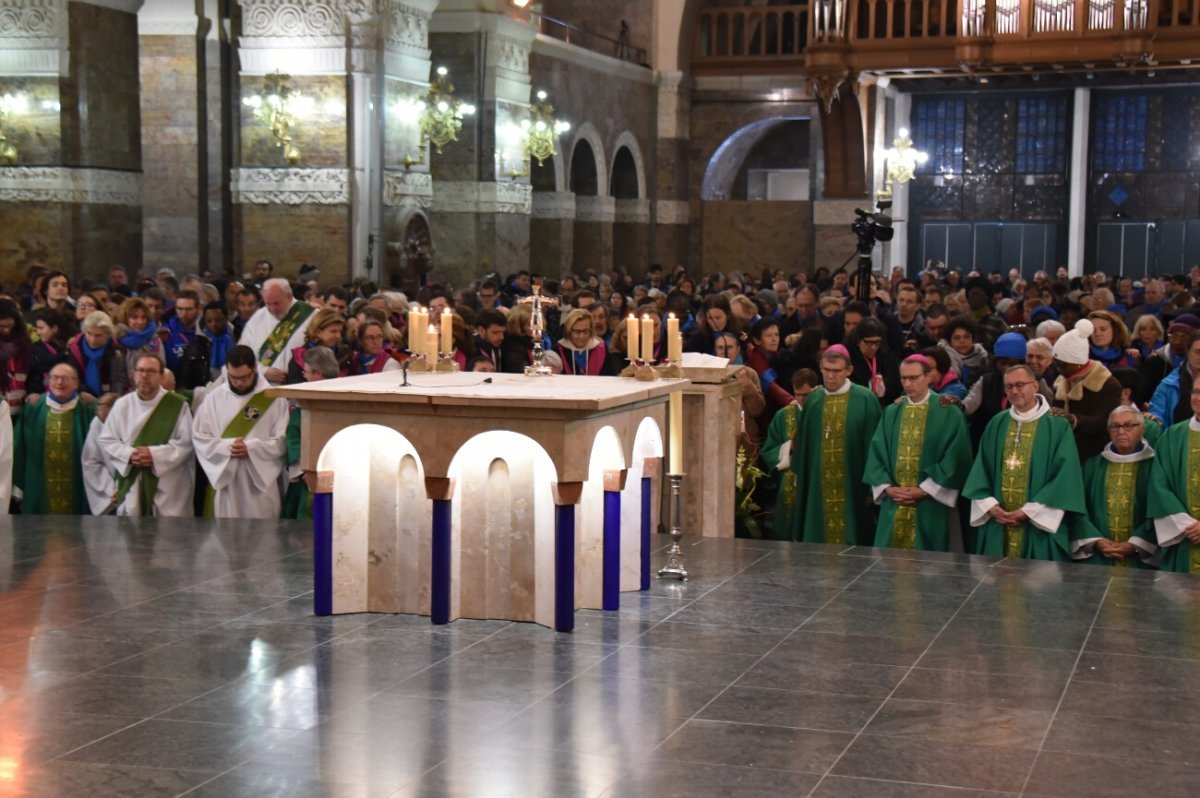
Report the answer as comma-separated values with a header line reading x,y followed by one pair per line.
x,y
928,784
753,725
1192,660
137,722
896,687
691,602
762,658
934,741
1063,695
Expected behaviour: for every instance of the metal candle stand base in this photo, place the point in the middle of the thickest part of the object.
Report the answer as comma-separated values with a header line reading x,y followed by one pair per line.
x,y
420,364
674,568
641,370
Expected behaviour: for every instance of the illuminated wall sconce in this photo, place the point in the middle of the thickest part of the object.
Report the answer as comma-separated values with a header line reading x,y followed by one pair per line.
x,y
902,160
11,105
540,132
439,116
278,107
542,129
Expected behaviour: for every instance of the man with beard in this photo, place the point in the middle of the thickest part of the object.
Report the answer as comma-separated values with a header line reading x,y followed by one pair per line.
x,y
240,436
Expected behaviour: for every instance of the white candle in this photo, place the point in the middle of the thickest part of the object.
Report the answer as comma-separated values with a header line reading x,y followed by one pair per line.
x,y
676,430
647,338
631,334
447,331
674,339
431,341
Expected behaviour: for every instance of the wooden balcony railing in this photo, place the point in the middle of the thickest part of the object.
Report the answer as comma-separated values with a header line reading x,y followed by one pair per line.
x,y
915,33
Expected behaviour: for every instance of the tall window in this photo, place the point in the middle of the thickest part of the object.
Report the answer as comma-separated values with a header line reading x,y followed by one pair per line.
x,y
1042,135
1119,135
939,129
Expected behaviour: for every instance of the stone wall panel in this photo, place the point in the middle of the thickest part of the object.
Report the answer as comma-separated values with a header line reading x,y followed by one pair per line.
x,y
291,235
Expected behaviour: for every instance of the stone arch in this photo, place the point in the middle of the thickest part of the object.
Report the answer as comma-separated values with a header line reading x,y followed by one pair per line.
x,y
589,135
723,167
381,521
627,143
502,529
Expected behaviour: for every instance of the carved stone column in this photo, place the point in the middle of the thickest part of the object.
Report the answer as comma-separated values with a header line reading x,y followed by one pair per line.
x,y
75,68
183,149
482,198
318,209
671,209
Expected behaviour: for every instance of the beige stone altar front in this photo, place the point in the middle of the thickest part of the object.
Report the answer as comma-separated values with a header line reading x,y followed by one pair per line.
x,y
504,455
712,415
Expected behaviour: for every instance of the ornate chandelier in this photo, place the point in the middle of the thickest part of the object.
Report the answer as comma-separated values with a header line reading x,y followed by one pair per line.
x,y
902,160
278,107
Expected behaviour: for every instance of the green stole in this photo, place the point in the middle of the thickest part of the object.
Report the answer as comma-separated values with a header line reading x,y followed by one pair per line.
x,y
1042,467
833,468
297,314
239,427
914,443
1175,488
155,431
781,430
1014,481
60,472
910,443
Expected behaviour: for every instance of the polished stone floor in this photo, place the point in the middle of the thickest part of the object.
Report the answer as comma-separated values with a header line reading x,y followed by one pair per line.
x,y
182,658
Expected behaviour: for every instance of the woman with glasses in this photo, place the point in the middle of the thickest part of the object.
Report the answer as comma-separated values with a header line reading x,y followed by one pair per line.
x,y
875,367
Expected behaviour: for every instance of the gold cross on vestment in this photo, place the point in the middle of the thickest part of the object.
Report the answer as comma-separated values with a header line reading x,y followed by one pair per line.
x,y
828,430
1013,462
58,434
909,457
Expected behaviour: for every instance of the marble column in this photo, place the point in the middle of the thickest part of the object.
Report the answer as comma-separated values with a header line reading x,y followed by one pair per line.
x,y
319,208
671,207
482,197
74,192
183,149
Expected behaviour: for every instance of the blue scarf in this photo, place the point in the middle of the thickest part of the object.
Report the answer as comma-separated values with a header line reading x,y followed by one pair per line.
x,y
132,339
1147,351
221,344
1108,355
92,379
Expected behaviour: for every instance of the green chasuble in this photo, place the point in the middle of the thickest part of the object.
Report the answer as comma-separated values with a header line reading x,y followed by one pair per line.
x,y
829,455
1042,466
297,503
782,430
1115,496
1175,488
48,458
914,443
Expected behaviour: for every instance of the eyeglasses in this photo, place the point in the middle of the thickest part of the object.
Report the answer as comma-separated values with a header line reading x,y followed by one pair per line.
x,y
871,341
1017,386
1127,427
147,371
910,379
63,378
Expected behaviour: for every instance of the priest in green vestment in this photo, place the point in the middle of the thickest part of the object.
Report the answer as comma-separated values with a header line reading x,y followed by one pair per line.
x,y
829,455
776,454
320,363
48,448
918,461
1026,485
1173,499
1115,484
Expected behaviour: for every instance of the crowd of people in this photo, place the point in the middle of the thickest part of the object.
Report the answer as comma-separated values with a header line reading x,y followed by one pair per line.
x,y
1054,418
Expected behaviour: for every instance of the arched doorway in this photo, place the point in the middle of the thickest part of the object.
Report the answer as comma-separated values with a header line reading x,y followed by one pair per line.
x,y
409,261
631,225
593,240
756,196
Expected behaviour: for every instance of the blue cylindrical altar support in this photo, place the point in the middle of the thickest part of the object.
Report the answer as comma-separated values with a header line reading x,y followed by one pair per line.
x,y
610,597
647,486
323,553
439,591
564,567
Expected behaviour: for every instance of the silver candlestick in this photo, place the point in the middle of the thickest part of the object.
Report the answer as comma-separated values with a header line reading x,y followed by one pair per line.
x,y
674,568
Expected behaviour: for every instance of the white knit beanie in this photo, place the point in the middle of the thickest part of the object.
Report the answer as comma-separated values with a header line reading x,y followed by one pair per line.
x,y
1073,346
